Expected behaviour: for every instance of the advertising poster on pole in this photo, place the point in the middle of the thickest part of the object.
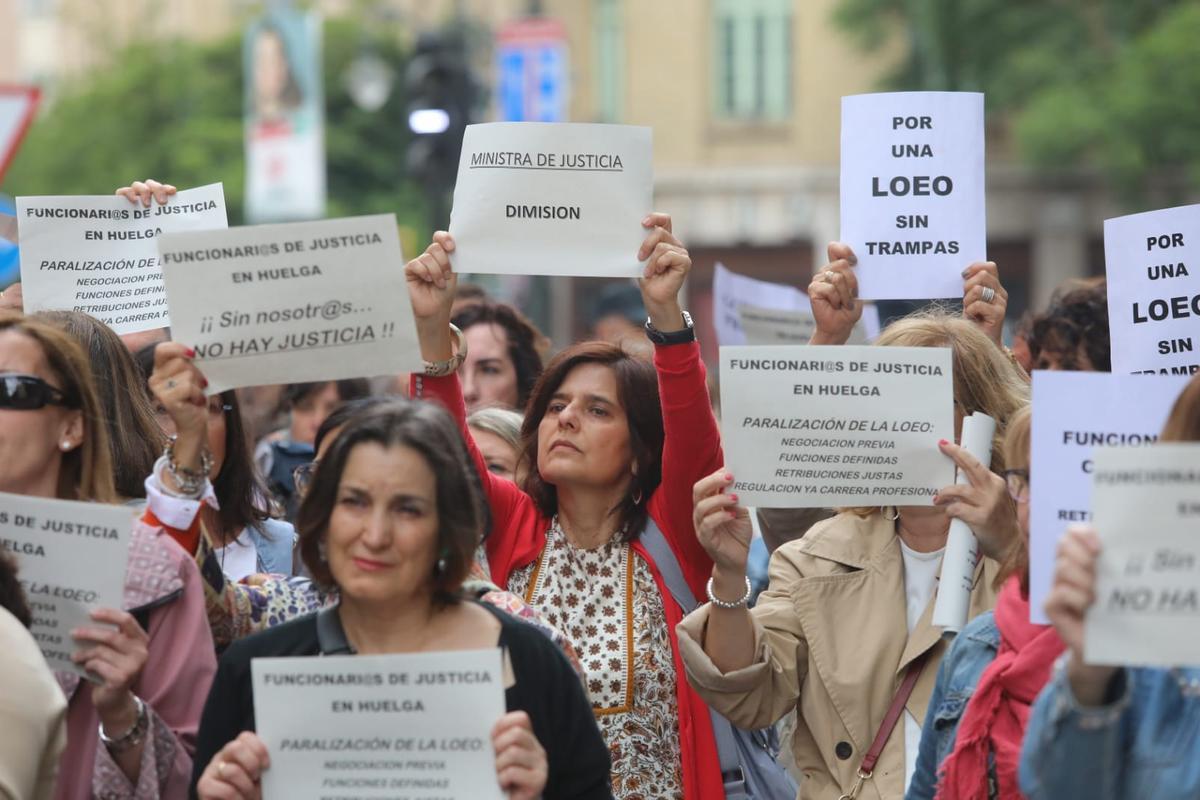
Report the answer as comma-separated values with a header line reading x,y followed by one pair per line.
x,y
284,118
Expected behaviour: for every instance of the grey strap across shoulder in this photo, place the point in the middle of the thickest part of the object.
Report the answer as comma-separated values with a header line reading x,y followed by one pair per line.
x,y
748,768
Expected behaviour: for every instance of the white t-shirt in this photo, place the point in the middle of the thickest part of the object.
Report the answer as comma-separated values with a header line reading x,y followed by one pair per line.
x,y
239,558
920,582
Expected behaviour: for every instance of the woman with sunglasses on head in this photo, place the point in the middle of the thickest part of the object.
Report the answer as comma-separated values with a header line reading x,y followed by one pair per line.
x,y
130,734
613,443
992,673
390,522
1107,732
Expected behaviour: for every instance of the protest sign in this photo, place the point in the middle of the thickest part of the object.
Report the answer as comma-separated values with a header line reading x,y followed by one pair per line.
x,y
912,187
1147,514
97,254
822,426
537,198
1073,413
303,301
415,725
776,326
961,556
1154,290
71,559
743,312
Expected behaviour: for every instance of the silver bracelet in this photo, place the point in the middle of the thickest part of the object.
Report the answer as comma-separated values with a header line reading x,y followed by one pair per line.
x,y
719,603
190,481
130,738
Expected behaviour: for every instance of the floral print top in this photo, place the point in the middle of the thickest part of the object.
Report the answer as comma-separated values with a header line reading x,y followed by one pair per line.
x,y
606,601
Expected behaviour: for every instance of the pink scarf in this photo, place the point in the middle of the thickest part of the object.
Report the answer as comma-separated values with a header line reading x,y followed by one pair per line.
x,y
995,717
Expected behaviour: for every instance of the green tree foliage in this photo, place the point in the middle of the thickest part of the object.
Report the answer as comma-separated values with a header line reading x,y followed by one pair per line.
x,y
1109,85
173,111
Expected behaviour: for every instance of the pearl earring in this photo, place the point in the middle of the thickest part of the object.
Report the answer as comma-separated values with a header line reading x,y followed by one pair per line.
x,y
65,446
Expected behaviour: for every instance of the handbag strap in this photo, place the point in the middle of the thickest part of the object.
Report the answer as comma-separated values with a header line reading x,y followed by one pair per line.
x,y
656,545
911,675
867,768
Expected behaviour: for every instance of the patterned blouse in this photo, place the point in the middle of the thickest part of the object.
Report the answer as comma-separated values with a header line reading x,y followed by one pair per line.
x,y
606,601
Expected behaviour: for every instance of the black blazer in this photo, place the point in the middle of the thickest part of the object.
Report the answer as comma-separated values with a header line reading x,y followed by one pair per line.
x,y
546,688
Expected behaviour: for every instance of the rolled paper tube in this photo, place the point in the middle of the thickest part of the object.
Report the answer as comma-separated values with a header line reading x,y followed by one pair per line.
x,y
962,549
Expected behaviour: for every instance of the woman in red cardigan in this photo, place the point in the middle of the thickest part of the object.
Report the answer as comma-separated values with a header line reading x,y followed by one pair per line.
x,y
616,442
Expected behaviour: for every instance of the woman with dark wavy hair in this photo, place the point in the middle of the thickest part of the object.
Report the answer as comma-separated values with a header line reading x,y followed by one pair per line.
x,y
503,355
390,522
244,536
613,446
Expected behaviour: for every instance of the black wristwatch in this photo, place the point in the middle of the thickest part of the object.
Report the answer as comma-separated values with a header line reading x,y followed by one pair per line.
x,y
688,334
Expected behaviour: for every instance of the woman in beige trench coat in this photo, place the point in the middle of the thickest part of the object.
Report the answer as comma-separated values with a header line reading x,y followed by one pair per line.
x,y
835,632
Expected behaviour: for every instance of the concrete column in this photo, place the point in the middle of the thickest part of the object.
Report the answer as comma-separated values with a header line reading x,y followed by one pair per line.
x,y
1059,246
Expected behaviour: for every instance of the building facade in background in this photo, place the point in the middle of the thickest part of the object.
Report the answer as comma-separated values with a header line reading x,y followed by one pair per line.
x,y
743,96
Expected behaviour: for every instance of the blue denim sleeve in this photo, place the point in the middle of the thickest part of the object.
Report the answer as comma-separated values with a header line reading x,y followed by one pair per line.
x,y
1073,751
924,780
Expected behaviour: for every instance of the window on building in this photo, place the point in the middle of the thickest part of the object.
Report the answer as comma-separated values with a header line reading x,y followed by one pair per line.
x,y
752,57
609,47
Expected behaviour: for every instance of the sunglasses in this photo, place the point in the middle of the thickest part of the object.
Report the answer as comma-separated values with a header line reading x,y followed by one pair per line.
x,y
29,393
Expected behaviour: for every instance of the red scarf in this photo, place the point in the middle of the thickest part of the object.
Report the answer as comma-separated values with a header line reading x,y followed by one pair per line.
x,y
995,717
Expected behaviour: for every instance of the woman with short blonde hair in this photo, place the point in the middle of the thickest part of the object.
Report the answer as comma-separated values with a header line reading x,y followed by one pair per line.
x,y
847,615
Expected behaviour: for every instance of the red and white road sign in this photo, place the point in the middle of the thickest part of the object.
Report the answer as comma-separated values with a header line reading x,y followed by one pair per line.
x,y
17,107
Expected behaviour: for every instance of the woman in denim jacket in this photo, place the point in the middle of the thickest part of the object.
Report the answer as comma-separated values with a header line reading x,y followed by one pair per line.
x,y
971,740
1112,732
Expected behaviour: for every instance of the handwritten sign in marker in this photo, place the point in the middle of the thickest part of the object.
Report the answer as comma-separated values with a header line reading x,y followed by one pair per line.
x,y
538,198
1147,515
1153,270
98,254
416,725
1073,414
71,559
822,426
912,189
304,301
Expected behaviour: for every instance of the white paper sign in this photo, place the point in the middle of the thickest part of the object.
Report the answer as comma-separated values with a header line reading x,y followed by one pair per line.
x,y
1147,514
303,301
962,553
738,299
539,198
1073,413
97,254
1153,268
822,426
71,559
398,726
912,188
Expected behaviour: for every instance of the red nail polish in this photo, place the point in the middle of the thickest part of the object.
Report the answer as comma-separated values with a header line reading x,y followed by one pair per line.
x,y
190,352
942,442
204,383
728,477
733,497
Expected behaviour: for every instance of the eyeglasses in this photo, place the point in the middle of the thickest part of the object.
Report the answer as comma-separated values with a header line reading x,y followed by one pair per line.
x,y
29,393
1018,484
302,476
